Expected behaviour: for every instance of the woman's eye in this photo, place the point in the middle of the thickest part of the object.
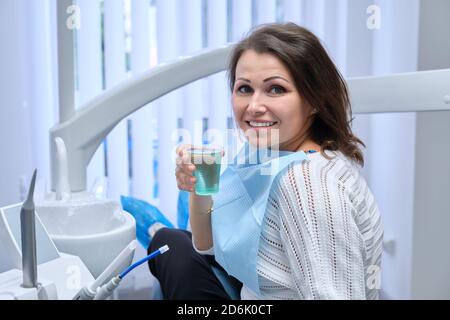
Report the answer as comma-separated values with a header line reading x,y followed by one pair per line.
x,y
277,90
244,89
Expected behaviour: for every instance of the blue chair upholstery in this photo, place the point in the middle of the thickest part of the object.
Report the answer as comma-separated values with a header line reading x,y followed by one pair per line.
x,y
232,290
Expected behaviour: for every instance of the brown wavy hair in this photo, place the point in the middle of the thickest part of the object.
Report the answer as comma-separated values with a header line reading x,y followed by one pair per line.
x,y
316,78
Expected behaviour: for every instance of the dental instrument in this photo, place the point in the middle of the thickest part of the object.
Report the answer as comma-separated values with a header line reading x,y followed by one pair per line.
x,y
88,292
28,231
106,290
60,275
155,253
113,267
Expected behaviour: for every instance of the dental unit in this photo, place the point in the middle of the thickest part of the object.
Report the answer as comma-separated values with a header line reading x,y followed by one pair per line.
x,y
44,271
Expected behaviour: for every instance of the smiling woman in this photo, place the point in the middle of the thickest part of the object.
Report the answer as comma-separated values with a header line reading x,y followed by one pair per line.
x,y
284,71
265,98
310,229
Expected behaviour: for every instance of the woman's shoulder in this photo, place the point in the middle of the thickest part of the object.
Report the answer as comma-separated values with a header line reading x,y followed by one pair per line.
x,y
330,163
331,171
317,180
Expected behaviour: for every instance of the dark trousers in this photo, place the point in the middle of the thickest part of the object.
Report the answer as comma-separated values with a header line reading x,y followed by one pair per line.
x,y
183,273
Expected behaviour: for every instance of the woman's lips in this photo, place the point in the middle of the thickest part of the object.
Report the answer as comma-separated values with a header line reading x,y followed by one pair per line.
x,y
275,123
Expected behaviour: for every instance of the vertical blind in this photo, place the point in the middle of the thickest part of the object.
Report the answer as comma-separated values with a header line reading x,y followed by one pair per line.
x,y
121,38
136,158
89,68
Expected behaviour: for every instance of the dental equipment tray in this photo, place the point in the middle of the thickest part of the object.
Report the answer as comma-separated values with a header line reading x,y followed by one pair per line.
x,y
67,271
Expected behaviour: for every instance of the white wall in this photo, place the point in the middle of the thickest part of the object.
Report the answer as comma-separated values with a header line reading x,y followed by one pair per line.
x,y
431,254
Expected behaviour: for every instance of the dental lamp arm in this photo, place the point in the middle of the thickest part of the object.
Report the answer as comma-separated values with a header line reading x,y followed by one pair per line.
x,y
83,133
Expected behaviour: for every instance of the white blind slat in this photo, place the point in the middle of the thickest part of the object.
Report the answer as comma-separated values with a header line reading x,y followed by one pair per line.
x,y
357,35
331,36
89,68
191,41
168,29
338,45
143,121
66,58
42,104
118,182
293,11
314,16
140,33
353,33
218,93
241,23
266,11
241,18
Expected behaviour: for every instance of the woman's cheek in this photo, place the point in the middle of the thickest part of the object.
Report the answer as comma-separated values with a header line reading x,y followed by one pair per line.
x,y
236,103
238,112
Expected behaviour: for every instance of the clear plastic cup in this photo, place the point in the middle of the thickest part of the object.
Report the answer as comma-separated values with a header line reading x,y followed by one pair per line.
x,y
207,161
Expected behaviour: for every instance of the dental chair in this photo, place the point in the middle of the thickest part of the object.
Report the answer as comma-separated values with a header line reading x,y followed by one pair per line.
x,y
85,129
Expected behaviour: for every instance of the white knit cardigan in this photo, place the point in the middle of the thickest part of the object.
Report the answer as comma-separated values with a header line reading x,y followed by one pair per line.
x,y
322,234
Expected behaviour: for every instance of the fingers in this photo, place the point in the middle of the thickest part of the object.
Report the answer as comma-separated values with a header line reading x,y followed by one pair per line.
x,y
181,148
185,182
183,157
183,160
184,169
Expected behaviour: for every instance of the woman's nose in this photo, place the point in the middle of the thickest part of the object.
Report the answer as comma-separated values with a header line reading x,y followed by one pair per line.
x,y
256,105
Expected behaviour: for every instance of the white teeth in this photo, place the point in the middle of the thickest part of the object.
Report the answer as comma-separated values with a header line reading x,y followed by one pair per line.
x,y
261,124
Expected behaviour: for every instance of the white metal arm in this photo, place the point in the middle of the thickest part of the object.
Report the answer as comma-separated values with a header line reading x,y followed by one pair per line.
x,y
406,92
83,133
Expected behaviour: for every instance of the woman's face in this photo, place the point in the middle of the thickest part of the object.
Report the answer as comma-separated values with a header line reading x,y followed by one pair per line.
x,y
266,104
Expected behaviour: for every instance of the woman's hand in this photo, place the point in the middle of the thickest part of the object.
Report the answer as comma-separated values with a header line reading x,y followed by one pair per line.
x,y
184,169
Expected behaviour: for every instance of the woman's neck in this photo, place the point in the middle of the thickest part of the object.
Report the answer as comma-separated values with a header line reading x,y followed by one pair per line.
x,y
307,144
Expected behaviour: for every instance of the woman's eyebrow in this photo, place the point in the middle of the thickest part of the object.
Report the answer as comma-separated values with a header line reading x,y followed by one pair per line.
x,y
265,80
275,77
243,79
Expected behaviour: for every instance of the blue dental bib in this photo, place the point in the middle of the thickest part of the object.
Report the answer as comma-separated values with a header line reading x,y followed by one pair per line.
x,y
240,206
